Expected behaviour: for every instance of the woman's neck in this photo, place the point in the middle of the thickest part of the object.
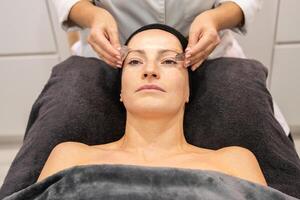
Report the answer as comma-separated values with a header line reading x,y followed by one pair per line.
x,y
153,137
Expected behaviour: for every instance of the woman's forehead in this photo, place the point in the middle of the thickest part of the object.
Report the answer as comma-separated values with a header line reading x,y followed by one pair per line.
x,y
154,38
160,51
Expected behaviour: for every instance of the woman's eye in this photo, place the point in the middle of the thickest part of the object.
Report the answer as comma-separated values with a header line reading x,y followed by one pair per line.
x,y
170,62
134,62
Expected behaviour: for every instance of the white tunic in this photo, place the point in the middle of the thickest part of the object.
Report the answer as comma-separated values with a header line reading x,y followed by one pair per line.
x,y
132,14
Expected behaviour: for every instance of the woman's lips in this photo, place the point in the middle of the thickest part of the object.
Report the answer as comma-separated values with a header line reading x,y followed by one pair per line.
x,y
149,87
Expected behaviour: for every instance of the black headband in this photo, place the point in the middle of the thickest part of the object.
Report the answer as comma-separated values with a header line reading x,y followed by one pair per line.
x,y
181,38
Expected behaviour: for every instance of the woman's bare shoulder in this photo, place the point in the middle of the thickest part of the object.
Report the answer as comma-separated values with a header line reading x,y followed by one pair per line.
x,y
62,156
69,150
234,149
237,153
242,163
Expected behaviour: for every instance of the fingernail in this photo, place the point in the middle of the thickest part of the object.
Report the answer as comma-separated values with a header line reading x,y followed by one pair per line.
x,y
188,55
187,49
119,57
119,62
119,66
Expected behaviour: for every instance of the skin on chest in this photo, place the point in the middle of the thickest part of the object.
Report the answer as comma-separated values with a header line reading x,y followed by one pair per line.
x,y
210,161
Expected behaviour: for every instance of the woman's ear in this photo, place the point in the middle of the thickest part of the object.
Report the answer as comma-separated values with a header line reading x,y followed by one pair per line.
x,y
187,98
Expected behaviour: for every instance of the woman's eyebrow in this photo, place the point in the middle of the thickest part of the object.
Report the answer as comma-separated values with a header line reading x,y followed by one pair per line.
x,y
125,51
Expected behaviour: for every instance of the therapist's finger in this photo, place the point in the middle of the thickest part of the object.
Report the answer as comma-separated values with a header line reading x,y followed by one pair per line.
x,y
201,56
197,65
101,40
107,46
107,61
208,38
194,36
114,38
104,55
193,39
197,60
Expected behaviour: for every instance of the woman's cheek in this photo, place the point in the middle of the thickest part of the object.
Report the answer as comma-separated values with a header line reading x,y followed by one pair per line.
x,y
182,85
129,86
175,90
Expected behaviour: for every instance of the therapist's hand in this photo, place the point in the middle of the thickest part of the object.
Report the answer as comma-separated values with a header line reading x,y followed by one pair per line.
x,y
203,39
104,38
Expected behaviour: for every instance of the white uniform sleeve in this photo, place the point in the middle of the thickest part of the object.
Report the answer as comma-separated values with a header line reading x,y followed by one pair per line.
x,y
249,8
63,8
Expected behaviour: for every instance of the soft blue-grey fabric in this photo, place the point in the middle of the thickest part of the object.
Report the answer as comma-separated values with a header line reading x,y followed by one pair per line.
x,y
130,182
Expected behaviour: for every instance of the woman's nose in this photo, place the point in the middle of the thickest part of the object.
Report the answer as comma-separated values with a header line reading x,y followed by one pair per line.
x,y
151,72
150,75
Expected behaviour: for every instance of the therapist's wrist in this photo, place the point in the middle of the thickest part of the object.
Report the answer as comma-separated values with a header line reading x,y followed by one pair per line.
x,y
208,19
227,15
83,13
100,15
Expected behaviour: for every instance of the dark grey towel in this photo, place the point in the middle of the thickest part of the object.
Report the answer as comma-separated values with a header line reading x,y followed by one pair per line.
x,y
132,182
231,107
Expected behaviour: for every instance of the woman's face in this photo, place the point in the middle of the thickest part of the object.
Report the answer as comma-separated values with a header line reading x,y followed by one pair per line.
x,y
151,63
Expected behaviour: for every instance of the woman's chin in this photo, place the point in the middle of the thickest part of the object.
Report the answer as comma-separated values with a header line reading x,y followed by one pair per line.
x,y
152,109
154,105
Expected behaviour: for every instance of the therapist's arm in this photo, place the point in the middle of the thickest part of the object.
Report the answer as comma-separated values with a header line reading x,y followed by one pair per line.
x,y
84,13
227,15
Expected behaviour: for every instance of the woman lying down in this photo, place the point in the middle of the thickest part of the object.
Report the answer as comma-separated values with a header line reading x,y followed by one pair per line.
x,y
152,160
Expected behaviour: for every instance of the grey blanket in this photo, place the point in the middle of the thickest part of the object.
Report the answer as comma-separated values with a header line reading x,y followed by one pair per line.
x,y
130,182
